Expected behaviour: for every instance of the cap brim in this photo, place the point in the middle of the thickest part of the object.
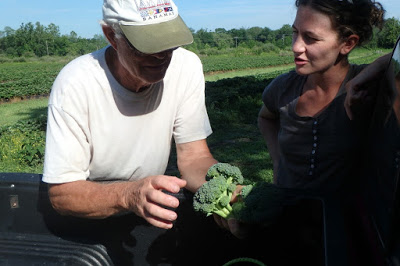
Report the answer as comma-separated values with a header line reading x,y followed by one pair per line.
x,y
154,38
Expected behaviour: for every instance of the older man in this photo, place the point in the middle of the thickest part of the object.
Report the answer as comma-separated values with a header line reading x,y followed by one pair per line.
x,y
113,114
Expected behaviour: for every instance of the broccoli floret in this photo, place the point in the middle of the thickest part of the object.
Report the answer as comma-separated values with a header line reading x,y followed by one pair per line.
x,y
214,196
245,191
226,170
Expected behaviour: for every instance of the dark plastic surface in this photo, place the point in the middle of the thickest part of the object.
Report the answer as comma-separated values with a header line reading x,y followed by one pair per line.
x,y
32,233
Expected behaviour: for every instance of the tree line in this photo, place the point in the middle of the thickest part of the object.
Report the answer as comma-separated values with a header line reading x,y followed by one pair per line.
x,y
39,40
35,39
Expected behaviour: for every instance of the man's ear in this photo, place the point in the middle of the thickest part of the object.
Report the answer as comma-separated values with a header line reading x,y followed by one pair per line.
x,y
110,35
349,44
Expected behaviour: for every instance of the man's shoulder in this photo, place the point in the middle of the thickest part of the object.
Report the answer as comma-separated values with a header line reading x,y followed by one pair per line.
x,y
82,67
79,73
182,54
87,60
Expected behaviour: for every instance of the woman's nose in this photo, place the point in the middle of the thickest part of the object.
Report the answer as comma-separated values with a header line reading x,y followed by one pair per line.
x,y
298,45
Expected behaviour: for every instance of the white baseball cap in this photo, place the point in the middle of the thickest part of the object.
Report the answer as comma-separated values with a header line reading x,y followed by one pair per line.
x,y
151,26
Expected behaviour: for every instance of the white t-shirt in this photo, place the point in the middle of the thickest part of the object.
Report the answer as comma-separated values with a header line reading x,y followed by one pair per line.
x,y
98,130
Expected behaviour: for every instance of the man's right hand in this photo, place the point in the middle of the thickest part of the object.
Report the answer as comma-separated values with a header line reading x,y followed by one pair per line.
x,y
95,200
146,199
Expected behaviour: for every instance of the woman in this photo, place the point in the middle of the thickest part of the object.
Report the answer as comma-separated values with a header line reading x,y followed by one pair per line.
x,y
311,140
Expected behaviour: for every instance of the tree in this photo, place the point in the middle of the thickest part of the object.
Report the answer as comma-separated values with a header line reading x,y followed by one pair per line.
x,y
238,35
222,40
221,31
389,34
205,37
266,35
253,33
283,36
7,41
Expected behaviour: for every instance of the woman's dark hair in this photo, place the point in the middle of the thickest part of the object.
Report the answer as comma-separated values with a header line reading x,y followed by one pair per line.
x,y
350,16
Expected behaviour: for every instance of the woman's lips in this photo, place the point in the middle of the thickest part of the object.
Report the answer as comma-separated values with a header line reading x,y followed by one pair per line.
x,y
300,61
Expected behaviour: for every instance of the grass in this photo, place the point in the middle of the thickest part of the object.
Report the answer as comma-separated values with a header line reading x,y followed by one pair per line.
x,y
358,56
11,113
248,72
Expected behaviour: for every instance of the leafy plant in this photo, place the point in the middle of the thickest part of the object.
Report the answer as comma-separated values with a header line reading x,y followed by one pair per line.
x,y
26,79
22,145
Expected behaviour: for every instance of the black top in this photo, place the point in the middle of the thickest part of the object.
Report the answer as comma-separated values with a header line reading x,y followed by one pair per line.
x,y
316,152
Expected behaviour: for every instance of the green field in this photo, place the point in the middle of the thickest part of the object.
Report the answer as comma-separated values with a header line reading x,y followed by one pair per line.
x,y
233,97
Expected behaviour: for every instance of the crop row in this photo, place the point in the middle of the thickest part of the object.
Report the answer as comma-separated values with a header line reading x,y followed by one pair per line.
x,y
26,79
36,78
226,63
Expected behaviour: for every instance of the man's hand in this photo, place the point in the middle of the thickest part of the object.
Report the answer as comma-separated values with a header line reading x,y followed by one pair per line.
x,y
95,200
146,199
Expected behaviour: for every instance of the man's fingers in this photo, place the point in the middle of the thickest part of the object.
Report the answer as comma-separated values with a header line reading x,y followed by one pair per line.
x,y
159,216
169,183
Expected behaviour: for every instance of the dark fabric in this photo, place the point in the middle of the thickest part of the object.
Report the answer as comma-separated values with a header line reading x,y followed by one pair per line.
x,y
316,152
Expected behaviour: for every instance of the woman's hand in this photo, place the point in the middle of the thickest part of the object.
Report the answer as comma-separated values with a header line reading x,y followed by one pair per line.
x,y
237,229
355,96
356,92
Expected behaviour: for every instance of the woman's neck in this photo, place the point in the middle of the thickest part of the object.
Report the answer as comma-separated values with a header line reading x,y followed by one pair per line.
x,y
330,79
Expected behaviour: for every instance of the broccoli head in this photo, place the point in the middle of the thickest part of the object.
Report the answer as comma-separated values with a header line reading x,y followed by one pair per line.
x,y
214,196
258,203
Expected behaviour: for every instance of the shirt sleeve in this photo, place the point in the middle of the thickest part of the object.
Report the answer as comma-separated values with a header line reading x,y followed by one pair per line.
x,y
67,151
192,122
67,154
272,93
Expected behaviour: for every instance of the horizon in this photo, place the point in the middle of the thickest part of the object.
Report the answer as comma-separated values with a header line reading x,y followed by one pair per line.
x,y
83,17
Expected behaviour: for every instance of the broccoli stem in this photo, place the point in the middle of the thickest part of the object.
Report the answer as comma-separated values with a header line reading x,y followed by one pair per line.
x,y
224,212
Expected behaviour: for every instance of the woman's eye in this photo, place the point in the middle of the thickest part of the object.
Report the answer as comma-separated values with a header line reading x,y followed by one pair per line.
x,y
310,38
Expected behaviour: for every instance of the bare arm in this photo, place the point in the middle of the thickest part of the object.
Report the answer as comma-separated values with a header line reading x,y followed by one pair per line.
x,y
194,160
143,197
269,127
354,90
95,200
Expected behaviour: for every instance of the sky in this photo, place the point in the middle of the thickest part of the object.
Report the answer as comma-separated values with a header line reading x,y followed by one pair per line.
x,y
83,16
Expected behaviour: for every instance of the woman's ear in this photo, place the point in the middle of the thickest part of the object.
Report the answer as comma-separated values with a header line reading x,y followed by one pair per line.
x,y
110,35
349,44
